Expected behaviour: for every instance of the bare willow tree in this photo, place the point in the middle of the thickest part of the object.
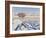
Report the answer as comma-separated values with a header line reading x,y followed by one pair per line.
x,y
21,15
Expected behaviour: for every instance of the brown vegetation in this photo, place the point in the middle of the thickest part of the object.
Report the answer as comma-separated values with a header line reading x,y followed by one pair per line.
x,y
21,15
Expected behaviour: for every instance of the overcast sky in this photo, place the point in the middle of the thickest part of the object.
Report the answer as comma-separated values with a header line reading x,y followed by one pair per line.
x,y
16,10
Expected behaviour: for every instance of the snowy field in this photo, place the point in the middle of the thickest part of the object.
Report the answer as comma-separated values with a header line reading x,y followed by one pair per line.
x,y
28,23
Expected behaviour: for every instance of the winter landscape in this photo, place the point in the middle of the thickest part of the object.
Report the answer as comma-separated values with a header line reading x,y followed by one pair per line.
x,y
24,19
